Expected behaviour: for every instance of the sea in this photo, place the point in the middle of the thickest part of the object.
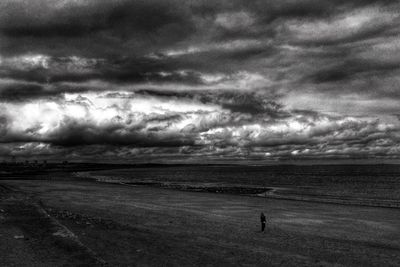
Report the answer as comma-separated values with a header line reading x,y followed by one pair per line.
x,y
374,181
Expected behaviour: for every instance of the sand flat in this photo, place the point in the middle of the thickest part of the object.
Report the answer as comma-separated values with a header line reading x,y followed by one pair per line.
x,y
152,226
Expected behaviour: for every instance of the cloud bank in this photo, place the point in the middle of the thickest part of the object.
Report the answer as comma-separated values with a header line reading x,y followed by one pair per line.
x,y
200,81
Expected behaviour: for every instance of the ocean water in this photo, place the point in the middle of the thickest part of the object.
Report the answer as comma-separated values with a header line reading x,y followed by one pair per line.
x,y
380,181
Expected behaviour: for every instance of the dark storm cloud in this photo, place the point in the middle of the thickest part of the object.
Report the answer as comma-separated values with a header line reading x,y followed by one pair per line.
x,y
74,19
351,68
101,24
73,134
110,27
20,92
25,92
248,103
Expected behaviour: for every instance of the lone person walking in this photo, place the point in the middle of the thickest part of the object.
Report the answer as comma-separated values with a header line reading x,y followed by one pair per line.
x,y
263,221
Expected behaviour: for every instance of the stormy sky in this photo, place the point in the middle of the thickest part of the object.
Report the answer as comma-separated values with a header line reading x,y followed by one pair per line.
x,y
200,81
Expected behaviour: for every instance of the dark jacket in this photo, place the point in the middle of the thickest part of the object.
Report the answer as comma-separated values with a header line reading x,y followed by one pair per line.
x,y
262,218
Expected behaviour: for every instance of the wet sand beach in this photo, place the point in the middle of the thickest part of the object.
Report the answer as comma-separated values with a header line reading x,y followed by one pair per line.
x,y
122,225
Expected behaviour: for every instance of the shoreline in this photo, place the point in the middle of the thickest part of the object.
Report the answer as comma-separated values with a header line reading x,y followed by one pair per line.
x,y
270,192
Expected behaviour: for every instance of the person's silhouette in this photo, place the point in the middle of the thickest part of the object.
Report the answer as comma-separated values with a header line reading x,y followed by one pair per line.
x,y
263,221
